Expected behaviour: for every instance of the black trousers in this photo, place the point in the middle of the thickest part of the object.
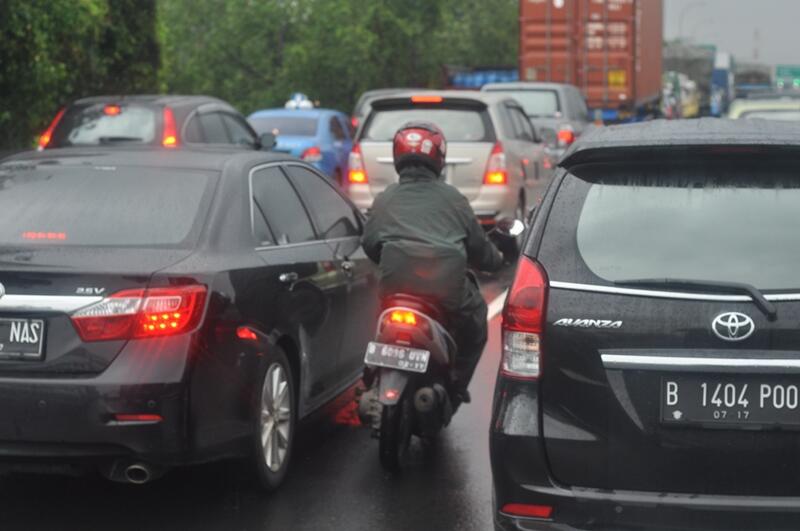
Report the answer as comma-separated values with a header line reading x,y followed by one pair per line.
x,y
470,331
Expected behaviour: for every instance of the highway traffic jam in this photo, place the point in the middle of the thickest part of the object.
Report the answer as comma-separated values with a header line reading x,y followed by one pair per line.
x,y
247,321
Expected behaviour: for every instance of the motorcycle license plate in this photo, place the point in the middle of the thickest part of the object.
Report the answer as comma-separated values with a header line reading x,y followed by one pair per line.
x,y
397,357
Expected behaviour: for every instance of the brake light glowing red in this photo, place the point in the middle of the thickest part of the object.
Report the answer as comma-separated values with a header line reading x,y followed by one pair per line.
x,y
169,137
112,110
138,313
566,136
44,140
312,154
391,394
403,317
527,510
354,122
32,235
496,170
357,173
523,321
426,99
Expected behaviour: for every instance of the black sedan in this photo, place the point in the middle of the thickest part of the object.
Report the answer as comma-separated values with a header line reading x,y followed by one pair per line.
x,y
165,121
163,308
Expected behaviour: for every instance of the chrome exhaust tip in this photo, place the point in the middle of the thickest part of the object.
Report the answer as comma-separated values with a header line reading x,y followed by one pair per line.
x,y
138,474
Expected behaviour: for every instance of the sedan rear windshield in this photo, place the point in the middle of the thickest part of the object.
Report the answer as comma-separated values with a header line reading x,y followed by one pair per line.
x,y
101,206
536,103
105,124
458,124
285,125
725,224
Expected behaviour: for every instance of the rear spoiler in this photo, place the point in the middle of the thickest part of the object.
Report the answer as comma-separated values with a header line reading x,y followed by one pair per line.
x,y
428,100
674,153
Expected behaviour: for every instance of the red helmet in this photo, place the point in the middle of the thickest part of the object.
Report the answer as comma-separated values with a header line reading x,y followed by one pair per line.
x,y
419,143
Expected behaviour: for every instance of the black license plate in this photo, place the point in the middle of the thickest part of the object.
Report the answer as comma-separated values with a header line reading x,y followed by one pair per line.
x,y
397,357
21,338
730,401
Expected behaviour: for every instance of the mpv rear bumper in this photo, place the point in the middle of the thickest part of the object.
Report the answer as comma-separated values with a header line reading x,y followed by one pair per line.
x,y
521,476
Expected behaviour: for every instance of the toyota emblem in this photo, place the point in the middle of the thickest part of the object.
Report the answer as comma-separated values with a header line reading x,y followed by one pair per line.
x,y
733,326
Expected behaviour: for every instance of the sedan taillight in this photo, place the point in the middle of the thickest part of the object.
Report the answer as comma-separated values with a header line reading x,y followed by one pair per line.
x,y
140,313
523,322
312,154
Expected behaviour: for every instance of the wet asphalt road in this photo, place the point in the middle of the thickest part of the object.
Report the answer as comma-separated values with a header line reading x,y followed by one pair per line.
x,y
335,482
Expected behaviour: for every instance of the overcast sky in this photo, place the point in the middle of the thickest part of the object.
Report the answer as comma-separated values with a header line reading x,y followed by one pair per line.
x,y
732,25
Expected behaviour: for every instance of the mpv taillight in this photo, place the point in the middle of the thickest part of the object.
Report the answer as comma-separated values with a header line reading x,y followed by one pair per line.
x,y
523,322
169,138
142,313
566,136
496,170
312,154
357,173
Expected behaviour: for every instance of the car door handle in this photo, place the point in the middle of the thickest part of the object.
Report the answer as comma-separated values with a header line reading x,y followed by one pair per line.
x,y
348,267
288,278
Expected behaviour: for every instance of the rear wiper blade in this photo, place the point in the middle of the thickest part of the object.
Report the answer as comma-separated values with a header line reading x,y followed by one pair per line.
x,y
112,139
723,287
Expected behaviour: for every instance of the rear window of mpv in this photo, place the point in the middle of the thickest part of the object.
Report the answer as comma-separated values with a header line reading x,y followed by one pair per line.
x,y
725,223
457,123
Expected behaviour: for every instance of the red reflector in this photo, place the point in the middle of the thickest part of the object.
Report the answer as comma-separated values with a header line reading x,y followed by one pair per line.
x,y
169,138
44,140
354,122
138,418
246,333
529,511
112,110
391,394
403,317
426,99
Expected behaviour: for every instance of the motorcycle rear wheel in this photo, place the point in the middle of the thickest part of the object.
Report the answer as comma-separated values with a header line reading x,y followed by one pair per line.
x,y
395,434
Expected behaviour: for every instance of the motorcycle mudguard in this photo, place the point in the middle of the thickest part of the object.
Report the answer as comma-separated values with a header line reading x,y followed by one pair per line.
x,y
392,384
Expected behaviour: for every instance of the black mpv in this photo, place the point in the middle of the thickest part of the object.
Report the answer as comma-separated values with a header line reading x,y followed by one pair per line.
x,y
650,375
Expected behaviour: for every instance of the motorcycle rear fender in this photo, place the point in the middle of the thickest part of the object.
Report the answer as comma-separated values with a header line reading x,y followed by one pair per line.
x,y
391,379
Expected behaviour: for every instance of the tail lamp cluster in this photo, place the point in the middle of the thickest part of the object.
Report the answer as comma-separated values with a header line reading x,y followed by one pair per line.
x,y
357,173
496,169
523,322
142,313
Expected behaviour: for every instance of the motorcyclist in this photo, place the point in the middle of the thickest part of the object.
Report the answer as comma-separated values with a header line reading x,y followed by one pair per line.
x,y
423,234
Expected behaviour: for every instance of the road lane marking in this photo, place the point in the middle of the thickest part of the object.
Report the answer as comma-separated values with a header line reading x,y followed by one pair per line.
x,y
496,306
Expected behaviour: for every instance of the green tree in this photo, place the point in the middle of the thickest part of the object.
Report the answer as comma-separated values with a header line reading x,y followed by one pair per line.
x,y
53,51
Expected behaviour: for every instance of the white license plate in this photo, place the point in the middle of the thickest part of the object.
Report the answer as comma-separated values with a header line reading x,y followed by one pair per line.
x,y
21,339
397,357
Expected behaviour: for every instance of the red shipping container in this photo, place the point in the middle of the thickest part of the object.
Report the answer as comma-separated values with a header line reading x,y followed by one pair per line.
x,y
610,49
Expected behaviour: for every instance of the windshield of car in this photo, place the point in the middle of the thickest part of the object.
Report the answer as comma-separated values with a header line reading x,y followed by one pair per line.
x,y
105,123
457,124
284,125
686,224
536,103
101,206
787,115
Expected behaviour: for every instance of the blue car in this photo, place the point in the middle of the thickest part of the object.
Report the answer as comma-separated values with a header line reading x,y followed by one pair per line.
x,y
318,136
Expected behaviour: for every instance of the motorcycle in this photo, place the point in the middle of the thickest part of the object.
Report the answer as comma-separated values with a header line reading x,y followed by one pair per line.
x,y
410,367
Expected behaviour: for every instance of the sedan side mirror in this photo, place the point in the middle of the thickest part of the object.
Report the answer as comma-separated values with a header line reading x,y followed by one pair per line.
x,y
267,141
